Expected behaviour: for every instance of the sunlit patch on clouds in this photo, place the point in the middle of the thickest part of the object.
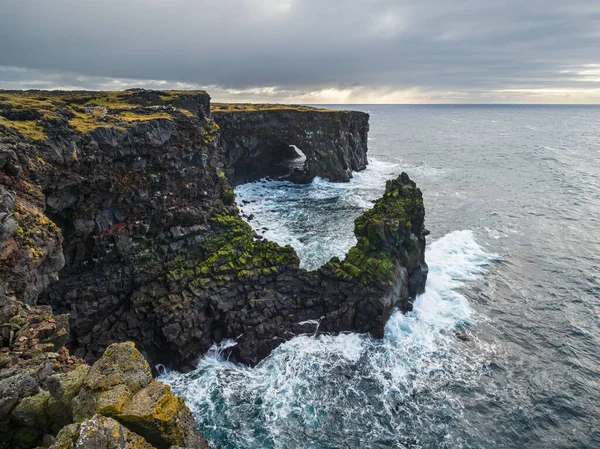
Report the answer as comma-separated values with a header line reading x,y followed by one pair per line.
x,y
21,78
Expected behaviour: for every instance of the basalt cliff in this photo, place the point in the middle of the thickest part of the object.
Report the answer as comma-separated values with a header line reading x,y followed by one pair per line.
x,y
118,224
297,142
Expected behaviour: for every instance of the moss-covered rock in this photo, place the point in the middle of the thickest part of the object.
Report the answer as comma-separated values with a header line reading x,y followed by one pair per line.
x,y
63,389
390,236
32,113
32,411
120,373
120,385
162,418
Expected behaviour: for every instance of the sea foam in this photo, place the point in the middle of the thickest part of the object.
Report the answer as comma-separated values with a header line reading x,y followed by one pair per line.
x,y
351,390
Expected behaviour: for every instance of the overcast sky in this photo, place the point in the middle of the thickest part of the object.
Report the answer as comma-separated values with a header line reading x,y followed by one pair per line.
x,y
310,51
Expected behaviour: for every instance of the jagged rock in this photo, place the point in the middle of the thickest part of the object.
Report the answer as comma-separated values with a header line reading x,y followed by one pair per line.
x,y
125,219
30,358
99,432
14,388
154,248
33,408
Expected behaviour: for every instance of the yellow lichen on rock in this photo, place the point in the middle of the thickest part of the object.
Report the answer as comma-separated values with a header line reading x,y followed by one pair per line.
x,y
99,432
162,418
120,373
28,113
120,385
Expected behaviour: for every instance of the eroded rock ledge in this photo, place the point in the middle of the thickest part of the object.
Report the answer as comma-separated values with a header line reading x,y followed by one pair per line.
x,y
117,209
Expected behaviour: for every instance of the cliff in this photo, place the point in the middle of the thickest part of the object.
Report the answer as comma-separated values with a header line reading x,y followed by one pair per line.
x,y
116,210
263,140
128,224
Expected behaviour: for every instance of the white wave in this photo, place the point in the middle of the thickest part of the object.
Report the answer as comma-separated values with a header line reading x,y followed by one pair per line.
x,y
301,215
350,390
317,219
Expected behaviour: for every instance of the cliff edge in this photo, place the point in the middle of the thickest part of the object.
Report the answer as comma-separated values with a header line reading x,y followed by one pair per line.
x,y
117,209
296,143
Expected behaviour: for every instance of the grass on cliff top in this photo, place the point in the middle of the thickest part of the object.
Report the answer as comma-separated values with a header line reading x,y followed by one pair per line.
x,y
255,107
25,111
27,128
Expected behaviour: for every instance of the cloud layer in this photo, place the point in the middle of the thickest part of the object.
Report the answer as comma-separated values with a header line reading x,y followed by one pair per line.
x,y
308,50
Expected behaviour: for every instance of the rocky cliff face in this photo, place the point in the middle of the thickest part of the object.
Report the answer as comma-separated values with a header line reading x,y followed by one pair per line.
x,y
117,210
261,142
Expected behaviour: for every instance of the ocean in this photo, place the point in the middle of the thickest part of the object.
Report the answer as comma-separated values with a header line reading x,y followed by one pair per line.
x,y
503,348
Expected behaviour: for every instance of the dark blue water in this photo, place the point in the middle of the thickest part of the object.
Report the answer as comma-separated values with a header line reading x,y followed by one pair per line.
x,y
502,351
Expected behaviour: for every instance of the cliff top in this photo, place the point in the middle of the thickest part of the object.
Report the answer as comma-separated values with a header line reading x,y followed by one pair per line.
x,y
254,107
31,113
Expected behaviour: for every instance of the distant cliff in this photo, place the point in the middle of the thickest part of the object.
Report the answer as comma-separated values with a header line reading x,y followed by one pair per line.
x,y
261,140
117,208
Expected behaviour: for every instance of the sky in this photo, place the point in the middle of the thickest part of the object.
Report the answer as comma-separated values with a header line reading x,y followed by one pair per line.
x,y
309,51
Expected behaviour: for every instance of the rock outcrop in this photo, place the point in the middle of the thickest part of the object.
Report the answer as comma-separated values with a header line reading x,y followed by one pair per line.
x,y
117,209
264,141
277,300
115,403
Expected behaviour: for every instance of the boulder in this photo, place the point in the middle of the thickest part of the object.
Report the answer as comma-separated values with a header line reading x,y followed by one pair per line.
x,y
111,382
63,389
162,418
99,432
120,385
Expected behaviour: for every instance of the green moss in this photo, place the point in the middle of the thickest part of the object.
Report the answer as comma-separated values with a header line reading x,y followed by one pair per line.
x,y
209,132
35,229
230,252
382,236
32,411
27,128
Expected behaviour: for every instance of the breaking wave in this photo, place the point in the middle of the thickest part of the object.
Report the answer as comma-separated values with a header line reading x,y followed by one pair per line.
x,y
350,390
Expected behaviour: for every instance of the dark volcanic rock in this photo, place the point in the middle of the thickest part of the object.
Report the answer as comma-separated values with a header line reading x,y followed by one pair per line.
x,y
141,215
259,143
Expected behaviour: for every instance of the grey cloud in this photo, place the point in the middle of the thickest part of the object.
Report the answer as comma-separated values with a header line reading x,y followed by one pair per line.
x,y
442,45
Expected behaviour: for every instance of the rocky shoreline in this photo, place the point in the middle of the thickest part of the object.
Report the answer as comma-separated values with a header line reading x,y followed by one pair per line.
x,y
118,224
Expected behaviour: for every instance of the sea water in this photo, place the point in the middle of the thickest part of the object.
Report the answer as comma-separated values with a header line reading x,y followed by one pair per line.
x,y
503,348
